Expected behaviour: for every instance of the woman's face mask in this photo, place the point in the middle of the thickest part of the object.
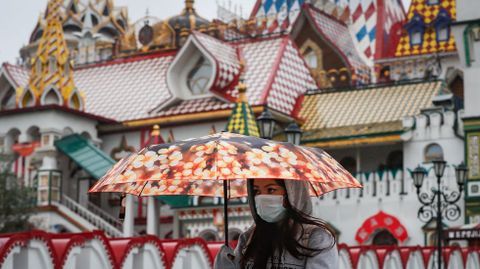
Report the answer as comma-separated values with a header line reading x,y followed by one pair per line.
x,y
270,207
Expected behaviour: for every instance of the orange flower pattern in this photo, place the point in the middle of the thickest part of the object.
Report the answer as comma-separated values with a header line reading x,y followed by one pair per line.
x,y
199,166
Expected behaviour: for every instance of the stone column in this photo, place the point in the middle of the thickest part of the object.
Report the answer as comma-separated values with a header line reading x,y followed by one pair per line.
x,y
152,216
129,221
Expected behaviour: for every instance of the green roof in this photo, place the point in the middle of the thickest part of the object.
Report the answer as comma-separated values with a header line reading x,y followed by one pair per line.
x,y
85,154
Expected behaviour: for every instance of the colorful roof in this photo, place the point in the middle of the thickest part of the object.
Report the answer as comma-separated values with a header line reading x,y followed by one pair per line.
x,y
371,23
337,33
426,18
134,88
242,120
51,68
372,110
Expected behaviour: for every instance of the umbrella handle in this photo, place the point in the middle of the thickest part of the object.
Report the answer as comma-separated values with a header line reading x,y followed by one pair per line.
x,y
225,211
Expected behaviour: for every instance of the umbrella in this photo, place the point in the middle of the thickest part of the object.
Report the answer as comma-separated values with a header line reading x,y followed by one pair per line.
x,y
219,165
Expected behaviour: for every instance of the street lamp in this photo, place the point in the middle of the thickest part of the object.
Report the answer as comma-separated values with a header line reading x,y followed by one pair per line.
x,y
293,133
267,124
439,203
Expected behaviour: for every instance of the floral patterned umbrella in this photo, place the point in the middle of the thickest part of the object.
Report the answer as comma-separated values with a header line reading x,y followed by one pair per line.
x,y
199,166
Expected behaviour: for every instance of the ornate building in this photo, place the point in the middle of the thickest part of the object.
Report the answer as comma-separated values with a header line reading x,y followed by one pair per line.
x,y
379,89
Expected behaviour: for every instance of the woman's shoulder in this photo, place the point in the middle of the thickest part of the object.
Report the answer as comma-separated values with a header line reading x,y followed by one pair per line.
x,y
318,236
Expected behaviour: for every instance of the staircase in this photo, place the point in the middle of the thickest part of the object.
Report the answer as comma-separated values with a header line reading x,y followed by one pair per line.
x,y
92,217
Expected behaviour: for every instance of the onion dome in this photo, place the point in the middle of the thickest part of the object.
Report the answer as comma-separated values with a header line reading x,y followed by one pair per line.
x,y
187,21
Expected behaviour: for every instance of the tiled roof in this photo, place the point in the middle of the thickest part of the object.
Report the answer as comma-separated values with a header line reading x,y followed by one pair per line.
x,y
125,91
338,35
228,63
134,88
242,120
365,111
194,106
428,13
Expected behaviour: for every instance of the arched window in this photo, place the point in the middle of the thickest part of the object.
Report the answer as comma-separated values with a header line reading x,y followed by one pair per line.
x,y
384,238
52,64
350,164
311,58
199,77
433,152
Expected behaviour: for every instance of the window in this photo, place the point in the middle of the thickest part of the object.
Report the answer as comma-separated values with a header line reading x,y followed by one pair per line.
x,y
416,37
433,2
433,152
442,33
199,77
311,58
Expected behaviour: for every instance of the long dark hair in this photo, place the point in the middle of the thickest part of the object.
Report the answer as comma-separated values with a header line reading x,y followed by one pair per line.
x,y
282,236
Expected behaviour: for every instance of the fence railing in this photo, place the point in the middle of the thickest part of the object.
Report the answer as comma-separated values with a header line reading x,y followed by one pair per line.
x,y
93,218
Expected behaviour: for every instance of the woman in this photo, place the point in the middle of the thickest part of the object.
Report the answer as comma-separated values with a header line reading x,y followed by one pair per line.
x,y
284,234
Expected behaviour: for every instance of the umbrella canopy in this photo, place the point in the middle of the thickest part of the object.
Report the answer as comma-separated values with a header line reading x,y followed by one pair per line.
x,y
199,166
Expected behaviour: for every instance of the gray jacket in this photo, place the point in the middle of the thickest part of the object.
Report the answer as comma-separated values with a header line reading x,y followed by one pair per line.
x,y
314,237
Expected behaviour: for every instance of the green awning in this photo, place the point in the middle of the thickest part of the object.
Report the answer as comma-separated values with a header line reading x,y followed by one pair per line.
x,y
86,155
176,201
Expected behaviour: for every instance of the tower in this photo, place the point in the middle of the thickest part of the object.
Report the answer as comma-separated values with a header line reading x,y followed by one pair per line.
x,y
51,78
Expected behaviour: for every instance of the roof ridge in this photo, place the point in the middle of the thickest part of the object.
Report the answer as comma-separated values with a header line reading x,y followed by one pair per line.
x,y
371,86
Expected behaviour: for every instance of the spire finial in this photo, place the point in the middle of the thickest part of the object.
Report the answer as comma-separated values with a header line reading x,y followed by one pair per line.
x,y
189,4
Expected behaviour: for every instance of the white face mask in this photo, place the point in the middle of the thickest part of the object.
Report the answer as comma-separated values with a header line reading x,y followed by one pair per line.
x,y
270,207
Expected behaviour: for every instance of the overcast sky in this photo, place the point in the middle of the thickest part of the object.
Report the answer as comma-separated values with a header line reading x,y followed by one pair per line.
x,y
18,17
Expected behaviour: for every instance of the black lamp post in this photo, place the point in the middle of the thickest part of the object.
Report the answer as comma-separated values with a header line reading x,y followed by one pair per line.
x,y
293,133
439,203
267,124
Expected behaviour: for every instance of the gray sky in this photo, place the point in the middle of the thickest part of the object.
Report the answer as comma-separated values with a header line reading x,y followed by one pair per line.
x,y
18,17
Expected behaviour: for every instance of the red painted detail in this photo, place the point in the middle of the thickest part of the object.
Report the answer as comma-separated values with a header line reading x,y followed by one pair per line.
x,y
355,256
370,10
381,255
276,65
404,255
426,255
357,13
25,149
381,221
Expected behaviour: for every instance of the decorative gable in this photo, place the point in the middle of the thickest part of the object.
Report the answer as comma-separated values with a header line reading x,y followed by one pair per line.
x,y
427,29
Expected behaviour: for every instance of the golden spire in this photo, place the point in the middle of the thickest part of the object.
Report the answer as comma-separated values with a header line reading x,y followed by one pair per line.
x,y
51,77
189,4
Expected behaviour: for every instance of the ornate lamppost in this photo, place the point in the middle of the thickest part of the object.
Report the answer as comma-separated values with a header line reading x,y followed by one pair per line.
x,y
267,127
439,203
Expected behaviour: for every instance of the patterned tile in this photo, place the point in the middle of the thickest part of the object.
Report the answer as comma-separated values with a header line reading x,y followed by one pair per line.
x,y
429,44
338,34
364,107
228,64
133,88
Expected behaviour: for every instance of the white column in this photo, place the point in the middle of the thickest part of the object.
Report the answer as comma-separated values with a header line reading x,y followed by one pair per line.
x,y
152,216
128,222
